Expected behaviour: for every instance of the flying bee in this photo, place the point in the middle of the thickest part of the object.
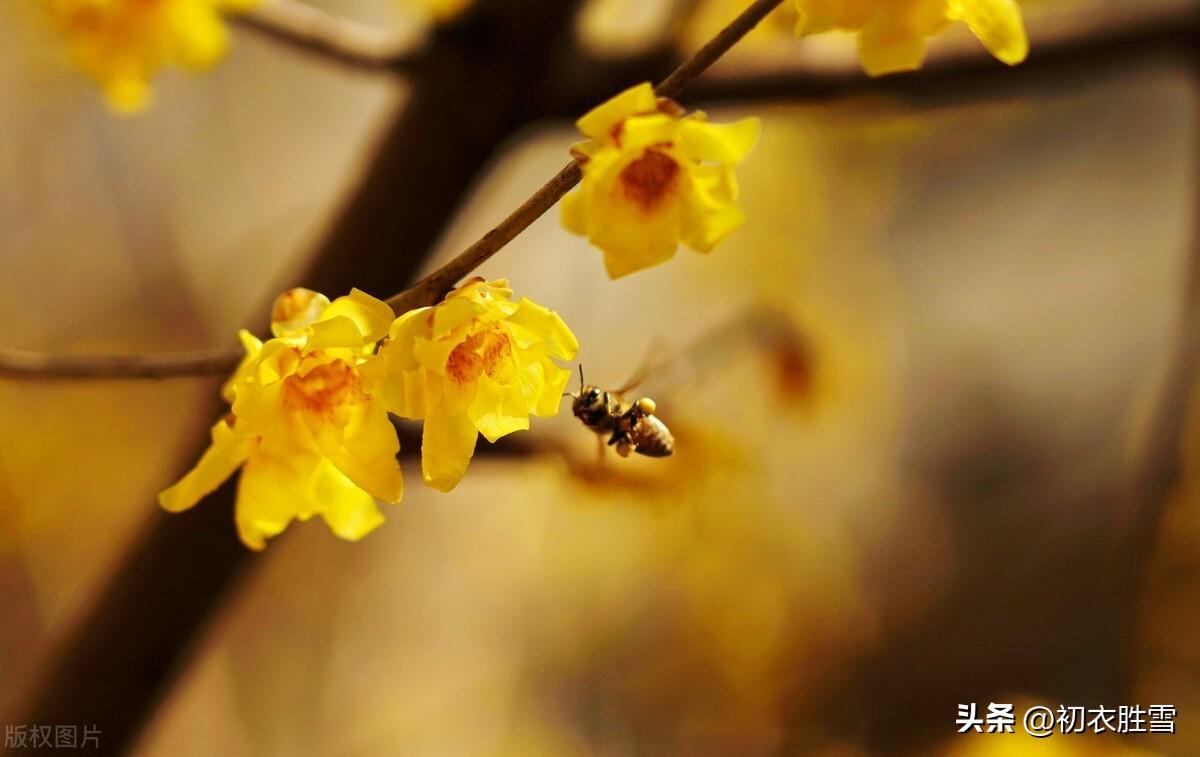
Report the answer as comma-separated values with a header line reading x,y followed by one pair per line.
x,y
630,428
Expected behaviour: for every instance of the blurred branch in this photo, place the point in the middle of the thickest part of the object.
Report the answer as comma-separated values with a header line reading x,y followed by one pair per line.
x,y
600,71
320,33
433,287
23,364
1159,464
1106,34
1158,468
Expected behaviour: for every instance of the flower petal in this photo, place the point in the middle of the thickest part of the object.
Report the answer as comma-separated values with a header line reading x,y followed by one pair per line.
x,y
886,48
641,132
447,445
710,213
350,512
599,122
224,456
573,214
253,347
370,315
197,37
498,409
368,454
633,239
548,326
818,16
722,143
334,332
997,24
554,384
296,309
271,493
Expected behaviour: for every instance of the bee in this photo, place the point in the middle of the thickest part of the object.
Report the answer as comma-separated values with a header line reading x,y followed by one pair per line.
x,y
630,428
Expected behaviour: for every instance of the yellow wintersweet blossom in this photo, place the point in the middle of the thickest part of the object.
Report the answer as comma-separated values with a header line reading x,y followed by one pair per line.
x,y
653,179
476,363
892,33
306,427
121,44
438,10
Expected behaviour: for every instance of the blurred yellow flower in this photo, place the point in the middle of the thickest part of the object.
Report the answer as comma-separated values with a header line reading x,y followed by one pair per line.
x,y
121,44
477,363
892,33
653,179
306,426
438,10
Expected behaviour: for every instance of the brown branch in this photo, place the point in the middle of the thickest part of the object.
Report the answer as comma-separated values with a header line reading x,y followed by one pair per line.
x,y
23,364
319,33
430,289
433,287
1159,466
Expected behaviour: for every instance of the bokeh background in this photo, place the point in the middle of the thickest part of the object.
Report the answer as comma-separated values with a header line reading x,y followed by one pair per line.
x,y
933,505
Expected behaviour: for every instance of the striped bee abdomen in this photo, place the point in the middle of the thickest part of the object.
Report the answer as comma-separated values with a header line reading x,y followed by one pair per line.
x,y
651,437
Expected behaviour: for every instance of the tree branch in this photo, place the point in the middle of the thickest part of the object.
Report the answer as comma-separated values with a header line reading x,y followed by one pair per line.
x,y
1159,466
22,364
317,32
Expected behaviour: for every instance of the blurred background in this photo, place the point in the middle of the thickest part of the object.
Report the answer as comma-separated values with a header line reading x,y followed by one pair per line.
x,y
933,502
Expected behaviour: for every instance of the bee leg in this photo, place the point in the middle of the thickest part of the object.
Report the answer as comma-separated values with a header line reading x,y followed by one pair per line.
x,y
600,451
622,442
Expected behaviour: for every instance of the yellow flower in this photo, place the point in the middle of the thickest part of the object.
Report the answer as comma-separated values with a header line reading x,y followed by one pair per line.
x,y
477,363
121,44
892,33
438,10
306,427
653,179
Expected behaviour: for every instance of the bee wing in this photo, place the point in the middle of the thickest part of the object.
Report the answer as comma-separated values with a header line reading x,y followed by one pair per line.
x,y
761,328
654,361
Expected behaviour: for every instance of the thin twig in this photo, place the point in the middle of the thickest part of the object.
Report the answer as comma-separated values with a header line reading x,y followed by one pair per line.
x,y
715,48
430,289
35,365
433,287
318,32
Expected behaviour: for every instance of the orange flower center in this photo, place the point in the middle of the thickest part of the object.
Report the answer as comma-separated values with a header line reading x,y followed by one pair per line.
x,y
93,16
487,351
324,389
650,178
